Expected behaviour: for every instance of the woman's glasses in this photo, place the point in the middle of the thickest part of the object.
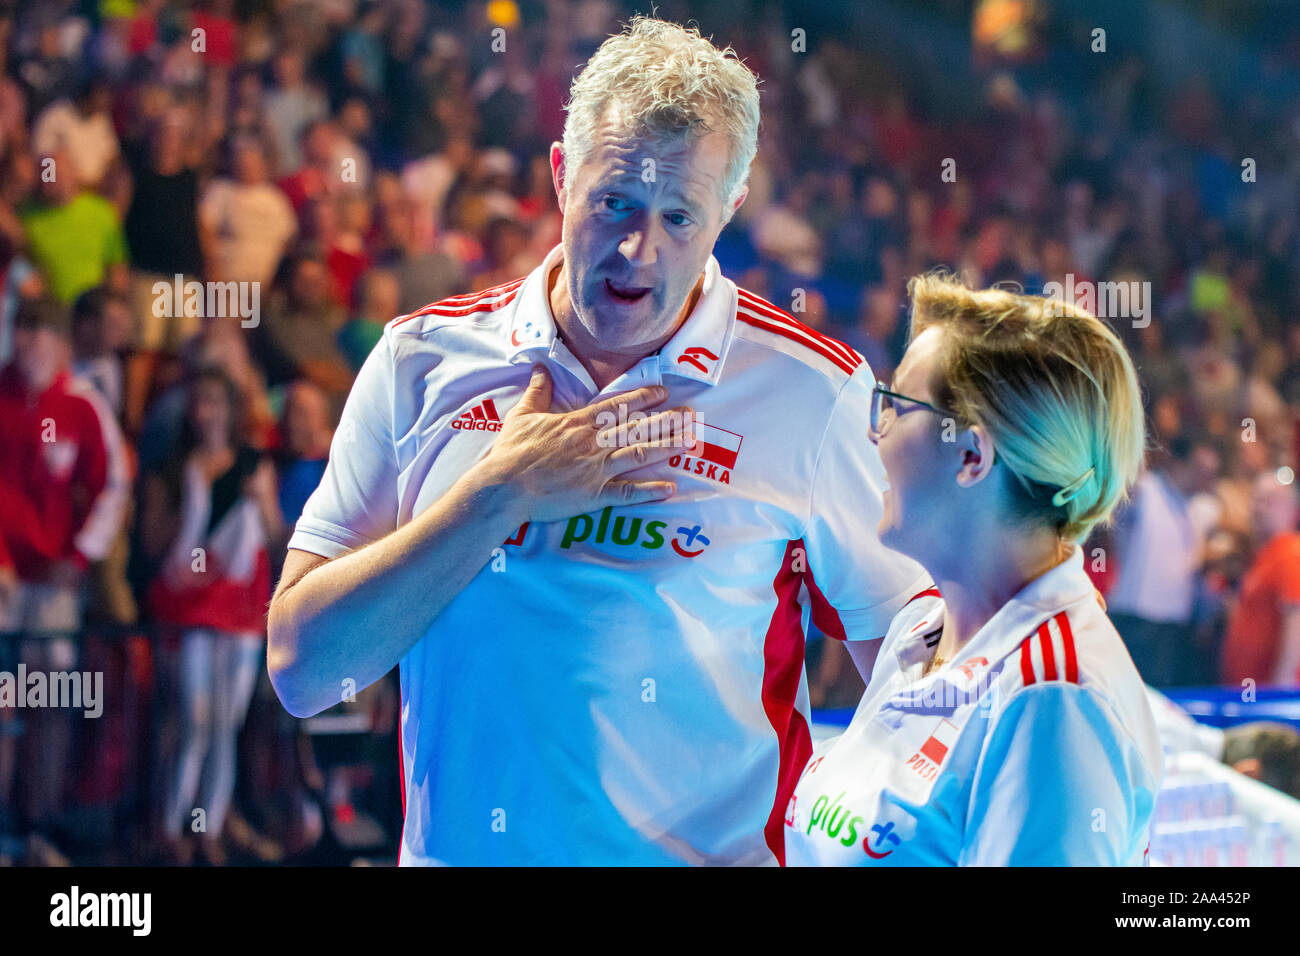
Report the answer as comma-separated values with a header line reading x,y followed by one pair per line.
x,y
884,409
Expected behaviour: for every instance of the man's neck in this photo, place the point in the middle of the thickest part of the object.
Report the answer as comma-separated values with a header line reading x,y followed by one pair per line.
x,y
602,365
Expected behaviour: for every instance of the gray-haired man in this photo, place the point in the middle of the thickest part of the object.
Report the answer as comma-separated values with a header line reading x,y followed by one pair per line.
x,y
583,510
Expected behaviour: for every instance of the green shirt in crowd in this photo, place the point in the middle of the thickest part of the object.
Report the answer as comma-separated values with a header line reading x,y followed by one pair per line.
x,y
74,244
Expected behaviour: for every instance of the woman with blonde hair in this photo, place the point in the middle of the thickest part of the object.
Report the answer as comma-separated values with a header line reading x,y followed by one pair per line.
x,y
1004,722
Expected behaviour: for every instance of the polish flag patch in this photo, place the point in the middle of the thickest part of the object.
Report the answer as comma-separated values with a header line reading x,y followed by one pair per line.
x,y
938,743
716,445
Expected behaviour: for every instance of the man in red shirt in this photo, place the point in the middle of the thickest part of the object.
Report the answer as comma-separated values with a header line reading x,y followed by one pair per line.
x,y
1263,639
62,493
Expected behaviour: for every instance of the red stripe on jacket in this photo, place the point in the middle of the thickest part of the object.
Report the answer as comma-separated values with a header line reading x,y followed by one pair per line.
x,y
783,660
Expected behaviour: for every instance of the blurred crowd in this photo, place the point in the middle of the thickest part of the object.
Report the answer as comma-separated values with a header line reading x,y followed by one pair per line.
x,y
352,161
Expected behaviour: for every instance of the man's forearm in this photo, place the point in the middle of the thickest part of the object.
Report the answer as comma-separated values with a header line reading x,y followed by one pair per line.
x,y
356,616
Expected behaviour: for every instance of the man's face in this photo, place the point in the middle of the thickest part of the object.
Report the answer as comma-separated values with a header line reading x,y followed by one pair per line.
x,y
319,144
306,413
210,408
310,284
640,221
39,353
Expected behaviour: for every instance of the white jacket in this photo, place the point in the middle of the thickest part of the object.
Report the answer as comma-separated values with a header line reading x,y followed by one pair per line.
x,y
1036,745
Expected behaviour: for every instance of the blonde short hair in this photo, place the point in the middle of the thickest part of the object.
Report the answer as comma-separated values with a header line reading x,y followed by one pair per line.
x,y
1054,387
669,83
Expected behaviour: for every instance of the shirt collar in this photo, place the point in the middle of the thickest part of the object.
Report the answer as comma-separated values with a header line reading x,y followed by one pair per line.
x,y
1042,597
533,325
700,346
696,351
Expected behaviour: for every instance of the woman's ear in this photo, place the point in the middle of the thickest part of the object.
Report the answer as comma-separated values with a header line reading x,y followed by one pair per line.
x,y
977,451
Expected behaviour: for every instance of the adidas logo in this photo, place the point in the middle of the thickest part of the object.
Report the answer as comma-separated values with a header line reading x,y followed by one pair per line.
x,y
482,417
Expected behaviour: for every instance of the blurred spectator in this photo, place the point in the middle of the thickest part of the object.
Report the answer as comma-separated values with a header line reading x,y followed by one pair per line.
x,y
13,106
82,129
245,222
1158,553
101,332
507,254
881,333
425,275
340,227
306,436
20,280
290,106
62,493
318,175
211,514
298,334
73,235
428,182
219,31
1263,639
223,343
162,225
1158,365
379,305
101,329
47,71
362,50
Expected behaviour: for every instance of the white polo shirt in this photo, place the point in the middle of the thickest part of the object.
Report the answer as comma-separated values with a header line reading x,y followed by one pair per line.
x,y
1035,746
626,686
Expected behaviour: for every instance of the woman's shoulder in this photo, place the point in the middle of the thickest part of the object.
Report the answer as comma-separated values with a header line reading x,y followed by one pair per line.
x,y
924,606
1075,643
1076,652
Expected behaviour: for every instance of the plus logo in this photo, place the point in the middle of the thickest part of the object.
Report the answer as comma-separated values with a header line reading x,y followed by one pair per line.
x,y
631,530
886,836
686,539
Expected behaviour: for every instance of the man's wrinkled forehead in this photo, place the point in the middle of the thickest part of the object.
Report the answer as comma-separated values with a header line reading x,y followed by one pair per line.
x,y
691,162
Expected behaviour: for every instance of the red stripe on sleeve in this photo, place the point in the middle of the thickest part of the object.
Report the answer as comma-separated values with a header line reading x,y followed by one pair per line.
x,y
452,311
1067,638
787,333
1026,662
763,307
1049,655
482,293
